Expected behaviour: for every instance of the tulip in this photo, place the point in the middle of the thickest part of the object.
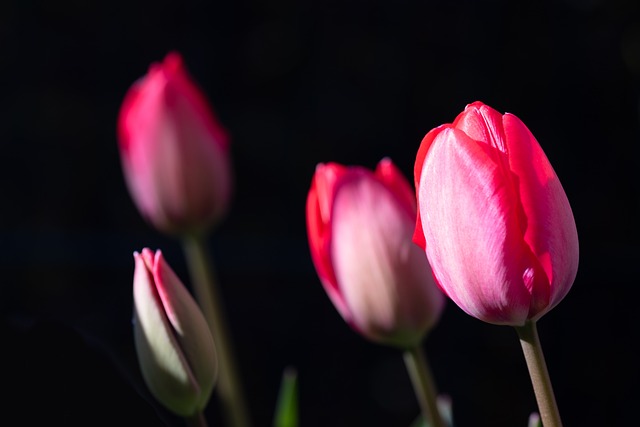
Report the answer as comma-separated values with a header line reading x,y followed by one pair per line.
x,y
174,151
174,345
494,219
359,226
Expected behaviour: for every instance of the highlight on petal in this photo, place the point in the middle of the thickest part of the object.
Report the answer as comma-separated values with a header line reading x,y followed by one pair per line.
x,y
163,366
384,278
418,234
174,345
473,244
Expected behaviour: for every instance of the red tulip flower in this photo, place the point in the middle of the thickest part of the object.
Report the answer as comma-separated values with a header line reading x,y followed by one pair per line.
x,y
174,151
359,226
493,218
175,348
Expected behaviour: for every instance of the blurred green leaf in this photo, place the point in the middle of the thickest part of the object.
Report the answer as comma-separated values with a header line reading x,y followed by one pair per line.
x,y
286,414
419,422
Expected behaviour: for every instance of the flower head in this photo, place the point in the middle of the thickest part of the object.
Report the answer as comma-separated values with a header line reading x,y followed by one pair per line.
x,y
359,226
493,218
173,342
174,151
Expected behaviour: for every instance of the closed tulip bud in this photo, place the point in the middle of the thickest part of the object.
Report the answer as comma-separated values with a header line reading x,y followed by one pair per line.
x,y
173,342
174,151
359,226
493,218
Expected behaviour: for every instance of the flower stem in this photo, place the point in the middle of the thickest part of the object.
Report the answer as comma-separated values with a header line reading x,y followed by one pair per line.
x,y
205,289
196,420
539,374
423,385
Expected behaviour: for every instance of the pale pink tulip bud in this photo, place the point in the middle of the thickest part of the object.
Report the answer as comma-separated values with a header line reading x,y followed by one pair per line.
x,y
175,348
359,227
493,218
174,151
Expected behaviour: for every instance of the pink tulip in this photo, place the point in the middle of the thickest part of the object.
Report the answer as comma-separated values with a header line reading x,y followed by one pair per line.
x,y
174,151
493,218
174,345
359,226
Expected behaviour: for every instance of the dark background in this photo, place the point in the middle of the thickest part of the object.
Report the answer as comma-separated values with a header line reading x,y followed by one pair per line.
x,y
297,83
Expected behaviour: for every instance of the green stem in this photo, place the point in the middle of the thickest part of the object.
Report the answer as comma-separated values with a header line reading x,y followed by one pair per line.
x,y
423,385
539,374
196,420
205,289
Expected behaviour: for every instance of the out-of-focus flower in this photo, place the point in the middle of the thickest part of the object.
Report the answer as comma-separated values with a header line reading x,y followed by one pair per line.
x,y
174,151
359,226
174,345
493,218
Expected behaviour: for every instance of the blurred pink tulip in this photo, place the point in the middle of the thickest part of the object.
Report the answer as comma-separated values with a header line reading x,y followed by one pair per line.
x,y
359,227
493,218
174,151
174,345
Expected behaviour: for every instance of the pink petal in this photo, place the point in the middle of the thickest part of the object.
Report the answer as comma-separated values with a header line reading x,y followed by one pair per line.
x,y
192,166
174,152
319,216
136,126
173,66
418,234
474,241
384,278
550,227
483,124
389,174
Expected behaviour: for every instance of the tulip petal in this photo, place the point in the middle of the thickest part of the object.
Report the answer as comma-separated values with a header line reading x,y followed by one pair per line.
x,y
483,124
470,216
200,179
189,324
319,216
389,174
136,114
163,364
176,71
174,151
418,234
550,230
383,276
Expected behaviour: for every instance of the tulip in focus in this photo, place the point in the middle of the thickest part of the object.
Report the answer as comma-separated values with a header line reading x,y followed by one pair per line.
x,y
174,151
173,342
493,218
359,226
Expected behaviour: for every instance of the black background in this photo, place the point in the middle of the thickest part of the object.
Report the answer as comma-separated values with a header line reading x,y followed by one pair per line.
x,y
297,83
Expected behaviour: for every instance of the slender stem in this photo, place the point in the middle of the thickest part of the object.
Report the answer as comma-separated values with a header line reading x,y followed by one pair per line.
x,y
539,374
423,385
196,420
229,388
